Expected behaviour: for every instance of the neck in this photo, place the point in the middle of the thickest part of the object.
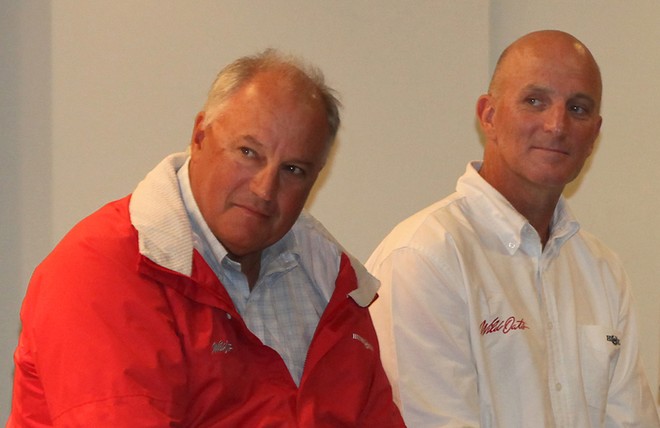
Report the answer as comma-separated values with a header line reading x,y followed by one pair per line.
x,y
535,203
250,266
538,214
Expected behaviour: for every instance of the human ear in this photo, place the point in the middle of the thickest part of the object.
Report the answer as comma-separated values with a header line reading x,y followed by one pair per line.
x,y
485,111
596,132
199,132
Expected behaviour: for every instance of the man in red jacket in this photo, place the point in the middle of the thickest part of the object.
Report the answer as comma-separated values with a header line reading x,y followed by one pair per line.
x,y
207,297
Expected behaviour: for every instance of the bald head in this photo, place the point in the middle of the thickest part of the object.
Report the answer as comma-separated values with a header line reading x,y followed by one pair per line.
x,y
550,47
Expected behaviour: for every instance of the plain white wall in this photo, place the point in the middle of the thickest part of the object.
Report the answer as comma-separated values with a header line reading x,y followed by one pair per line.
x,y
25,164
99,92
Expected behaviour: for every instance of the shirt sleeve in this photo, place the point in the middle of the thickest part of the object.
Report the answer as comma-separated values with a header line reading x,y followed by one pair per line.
x,y
630,402
421,319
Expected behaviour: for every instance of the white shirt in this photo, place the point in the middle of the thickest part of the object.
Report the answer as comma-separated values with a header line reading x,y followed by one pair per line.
x,y
480,326
285,305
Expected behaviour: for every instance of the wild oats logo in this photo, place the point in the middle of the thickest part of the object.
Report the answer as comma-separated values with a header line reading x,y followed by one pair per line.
x,y
503,326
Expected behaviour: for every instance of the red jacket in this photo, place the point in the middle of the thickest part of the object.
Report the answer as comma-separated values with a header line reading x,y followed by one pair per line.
x,y
111,339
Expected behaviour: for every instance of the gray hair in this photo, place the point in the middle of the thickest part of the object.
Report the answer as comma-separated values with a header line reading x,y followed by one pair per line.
x,y
238,73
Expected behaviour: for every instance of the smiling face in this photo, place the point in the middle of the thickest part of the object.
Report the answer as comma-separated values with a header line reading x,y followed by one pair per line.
x,y
253,167
541,117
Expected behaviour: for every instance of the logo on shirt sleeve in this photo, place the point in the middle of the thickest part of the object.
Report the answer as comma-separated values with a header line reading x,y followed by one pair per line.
x,y
503,326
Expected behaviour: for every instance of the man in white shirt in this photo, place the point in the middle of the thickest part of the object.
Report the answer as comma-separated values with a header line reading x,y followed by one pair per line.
x,y
496,310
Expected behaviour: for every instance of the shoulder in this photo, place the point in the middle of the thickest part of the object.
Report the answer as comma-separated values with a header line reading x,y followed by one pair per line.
x,y
593,247
101,232
102,245
93,265
590,255
431,231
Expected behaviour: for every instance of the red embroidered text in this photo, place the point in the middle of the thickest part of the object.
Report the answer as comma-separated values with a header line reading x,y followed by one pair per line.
x,y
504,326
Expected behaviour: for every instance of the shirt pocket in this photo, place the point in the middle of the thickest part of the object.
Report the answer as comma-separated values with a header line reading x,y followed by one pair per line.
x,y
599,352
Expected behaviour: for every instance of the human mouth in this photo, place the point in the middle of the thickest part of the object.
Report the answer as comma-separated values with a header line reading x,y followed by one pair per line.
x,y
254,211
552,150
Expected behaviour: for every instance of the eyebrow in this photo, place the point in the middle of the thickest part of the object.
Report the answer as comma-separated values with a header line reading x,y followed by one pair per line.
x,y
251,139
586,97
543,89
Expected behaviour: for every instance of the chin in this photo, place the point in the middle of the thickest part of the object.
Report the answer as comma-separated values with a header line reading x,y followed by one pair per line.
x,y
553,178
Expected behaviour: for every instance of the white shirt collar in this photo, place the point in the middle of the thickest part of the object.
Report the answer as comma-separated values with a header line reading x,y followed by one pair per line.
x,y
512,228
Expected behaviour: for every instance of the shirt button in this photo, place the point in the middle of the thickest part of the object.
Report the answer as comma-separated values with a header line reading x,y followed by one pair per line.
x,y
558,386
228,316
550,326
512,245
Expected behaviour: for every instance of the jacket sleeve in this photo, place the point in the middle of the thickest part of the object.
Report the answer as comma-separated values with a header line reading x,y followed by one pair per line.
x,y
380,408
98,346
422,326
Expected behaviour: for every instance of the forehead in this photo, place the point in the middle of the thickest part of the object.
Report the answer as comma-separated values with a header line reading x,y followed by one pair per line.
x,y
274,98
275,111
279,86
564,67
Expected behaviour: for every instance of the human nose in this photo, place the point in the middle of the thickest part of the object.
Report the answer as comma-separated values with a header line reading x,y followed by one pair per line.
x,y
264,183
555,121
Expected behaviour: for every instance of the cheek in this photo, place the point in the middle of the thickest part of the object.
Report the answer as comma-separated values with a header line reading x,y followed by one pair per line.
x,y
586,140
215,189
292,201
209,204
510,134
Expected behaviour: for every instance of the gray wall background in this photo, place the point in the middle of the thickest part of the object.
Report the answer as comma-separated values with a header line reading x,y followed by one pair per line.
x,y
93,94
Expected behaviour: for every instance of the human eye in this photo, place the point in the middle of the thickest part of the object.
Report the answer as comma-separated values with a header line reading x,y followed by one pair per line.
x,y
579,110
294,170
535,97
533,101
247,152
581,106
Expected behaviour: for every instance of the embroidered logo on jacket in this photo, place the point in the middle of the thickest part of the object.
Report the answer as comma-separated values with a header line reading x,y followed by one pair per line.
x,y
364,341
503,326
222,346
615,340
